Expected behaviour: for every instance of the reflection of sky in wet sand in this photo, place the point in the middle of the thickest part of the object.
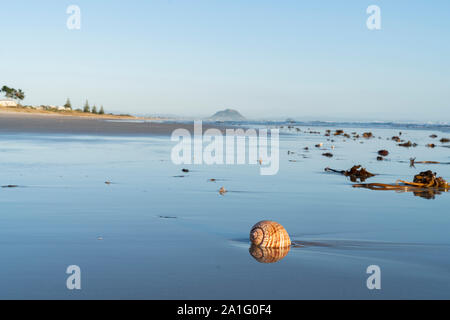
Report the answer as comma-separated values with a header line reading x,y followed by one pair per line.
x,y
63,206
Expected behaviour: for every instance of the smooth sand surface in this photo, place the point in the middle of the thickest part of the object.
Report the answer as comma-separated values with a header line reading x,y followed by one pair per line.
x,y
121,236
53,123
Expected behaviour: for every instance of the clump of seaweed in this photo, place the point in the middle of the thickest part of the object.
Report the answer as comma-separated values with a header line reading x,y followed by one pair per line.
x,y
427,179
354,173
358,172
425,184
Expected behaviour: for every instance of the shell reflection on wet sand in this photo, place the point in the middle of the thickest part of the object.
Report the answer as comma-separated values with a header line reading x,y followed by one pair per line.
x,y
268,255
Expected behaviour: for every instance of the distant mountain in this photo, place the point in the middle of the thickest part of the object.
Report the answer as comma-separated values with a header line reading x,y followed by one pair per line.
x,y
227,115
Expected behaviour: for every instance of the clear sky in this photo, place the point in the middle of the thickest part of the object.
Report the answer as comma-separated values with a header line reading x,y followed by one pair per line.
x,y
265,58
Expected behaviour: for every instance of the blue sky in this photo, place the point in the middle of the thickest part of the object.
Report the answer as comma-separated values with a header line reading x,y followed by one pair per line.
x,y
312,59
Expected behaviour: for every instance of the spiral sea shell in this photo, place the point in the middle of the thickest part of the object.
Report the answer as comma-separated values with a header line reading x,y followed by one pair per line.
x,y
269,234
268,255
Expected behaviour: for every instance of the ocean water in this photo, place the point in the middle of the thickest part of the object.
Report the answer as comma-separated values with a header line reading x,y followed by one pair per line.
x,y
152,234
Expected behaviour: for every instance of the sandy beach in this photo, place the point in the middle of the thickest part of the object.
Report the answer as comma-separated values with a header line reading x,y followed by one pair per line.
x,y
19,122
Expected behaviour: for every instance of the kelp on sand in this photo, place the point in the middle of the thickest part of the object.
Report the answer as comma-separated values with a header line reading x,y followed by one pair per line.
x,y
425,184
413,162
354,173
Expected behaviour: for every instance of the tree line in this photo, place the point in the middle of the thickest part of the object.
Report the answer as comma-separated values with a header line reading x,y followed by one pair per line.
x,y
86,108
19,95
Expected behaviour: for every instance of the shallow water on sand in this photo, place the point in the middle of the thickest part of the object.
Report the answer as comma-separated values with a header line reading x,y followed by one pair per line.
x,y
153,235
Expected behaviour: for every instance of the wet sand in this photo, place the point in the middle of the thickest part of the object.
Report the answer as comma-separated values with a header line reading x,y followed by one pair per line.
x,y
150,234
52,123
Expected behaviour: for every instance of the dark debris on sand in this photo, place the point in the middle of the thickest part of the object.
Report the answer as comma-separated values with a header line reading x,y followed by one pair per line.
x,y
412,162
355,173
408,144
383,153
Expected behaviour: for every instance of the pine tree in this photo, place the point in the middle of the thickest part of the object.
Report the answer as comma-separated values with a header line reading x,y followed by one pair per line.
x,y
9,92
86,107
19,94
102,111
94,110
68,104
12,93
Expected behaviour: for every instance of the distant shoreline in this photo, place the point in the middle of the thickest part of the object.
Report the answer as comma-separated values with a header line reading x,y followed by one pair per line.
x,y
66,113
41,122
